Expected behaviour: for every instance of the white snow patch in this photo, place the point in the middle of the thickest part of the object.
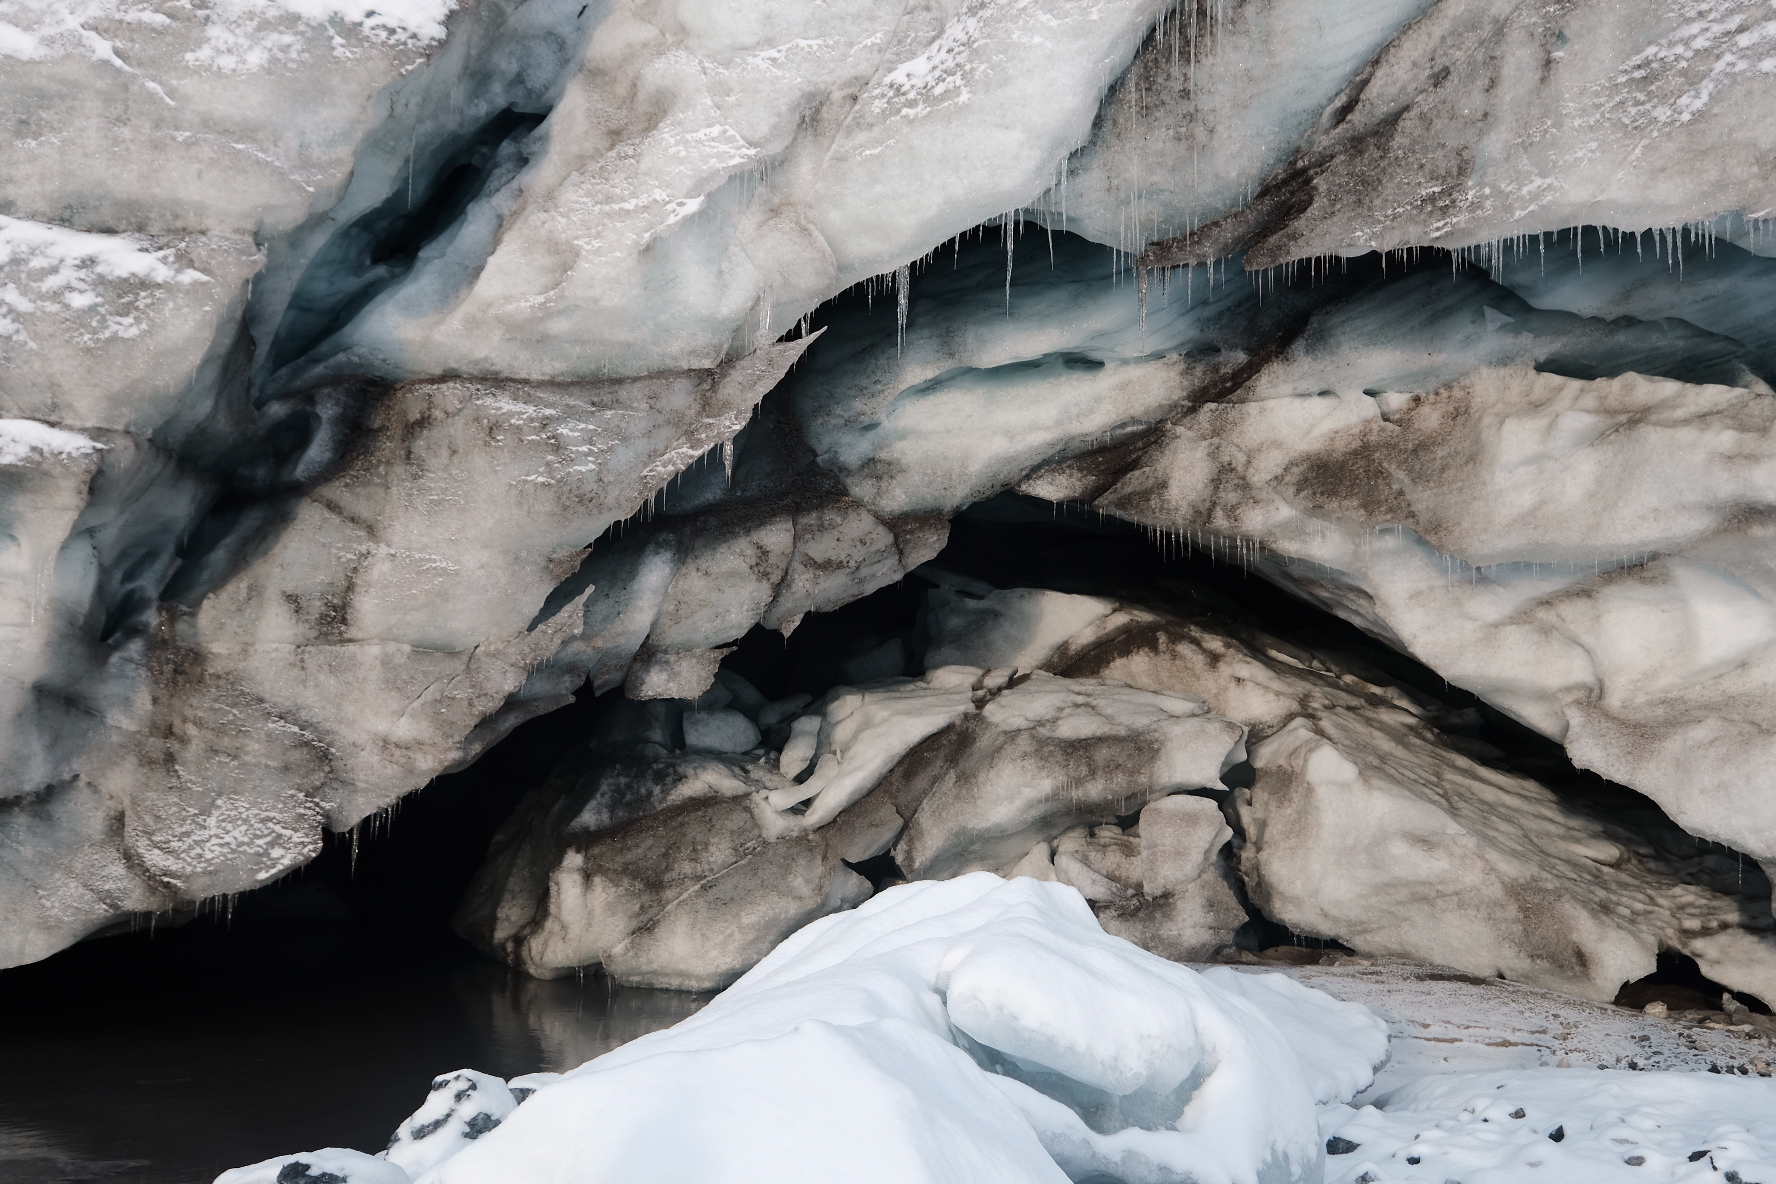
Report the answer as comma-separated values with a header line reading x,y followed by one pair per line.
x,y
41,263
247,35
25,440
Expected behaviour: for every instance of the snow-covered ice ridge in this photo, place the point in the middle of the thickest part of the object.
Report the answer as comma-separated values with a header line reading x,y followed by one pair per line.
x,y
987,1030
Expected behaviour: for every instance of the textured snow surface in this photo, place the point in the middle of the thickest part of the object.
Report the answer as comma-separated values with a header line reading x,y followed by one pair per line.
x,y
970,1030
1564,1124
1467,1054
238,34
1443,1021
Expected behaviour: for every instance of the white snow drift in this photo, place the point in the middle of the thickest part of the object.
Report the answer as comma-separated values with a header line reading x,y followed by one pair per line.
x,y
972,1030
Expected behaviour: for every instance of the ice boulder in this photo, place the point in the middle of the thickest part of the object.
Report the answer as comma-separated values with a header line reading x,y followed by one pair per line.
x,y
683,868
1377,834
976,1030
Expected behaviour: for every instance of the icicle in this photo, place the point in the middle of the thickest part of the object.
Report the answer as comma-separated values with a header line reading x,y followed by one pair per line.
x,y
1009,246
903,285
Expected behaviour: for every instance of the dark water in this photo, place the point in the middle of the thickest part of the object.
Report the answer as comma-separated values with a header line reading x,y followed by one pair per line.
x,y
292,1025
148,1070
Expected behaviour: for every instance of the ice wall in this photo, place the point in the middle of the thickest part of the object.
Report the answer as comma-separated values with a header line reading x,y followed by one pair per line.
x,y
375,318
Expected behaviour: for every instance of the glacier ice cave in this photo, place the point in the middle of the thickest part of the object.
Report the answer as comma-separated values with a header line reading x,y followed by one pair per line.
x,y
921,591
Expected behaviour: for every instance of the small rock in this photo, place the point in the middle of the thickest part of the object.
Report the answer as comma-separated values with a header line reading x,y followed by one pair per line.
x,y
1414,1160
1340,1146
1519,1113
721,729
1635,1161
1657,1009
1557,1134
1695,1155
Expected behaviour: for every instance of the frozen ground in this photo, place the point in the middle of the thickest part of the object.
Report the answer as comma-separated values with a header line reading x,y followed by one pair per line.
x,y
1489,1081
1444,1021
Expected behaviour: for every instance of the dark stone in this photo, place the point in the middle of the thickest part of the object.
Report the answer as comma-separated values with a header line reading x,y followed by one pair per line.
x,y
1340,1146
1695,1155
479,1125
426,1130
297,1172
1635,1161
1558,1133
1413,1160
1519,1113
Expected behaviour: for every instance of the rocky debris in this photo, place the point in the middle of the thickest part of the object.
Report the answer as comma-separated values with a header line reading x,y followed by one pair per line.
x,y
329,1165
1044,755
679,869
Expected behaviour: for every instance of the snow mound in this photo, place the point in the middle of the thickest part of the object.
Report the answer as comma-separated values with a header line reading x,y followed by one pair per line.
x,y
973,1029
1572,1125
330,1164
